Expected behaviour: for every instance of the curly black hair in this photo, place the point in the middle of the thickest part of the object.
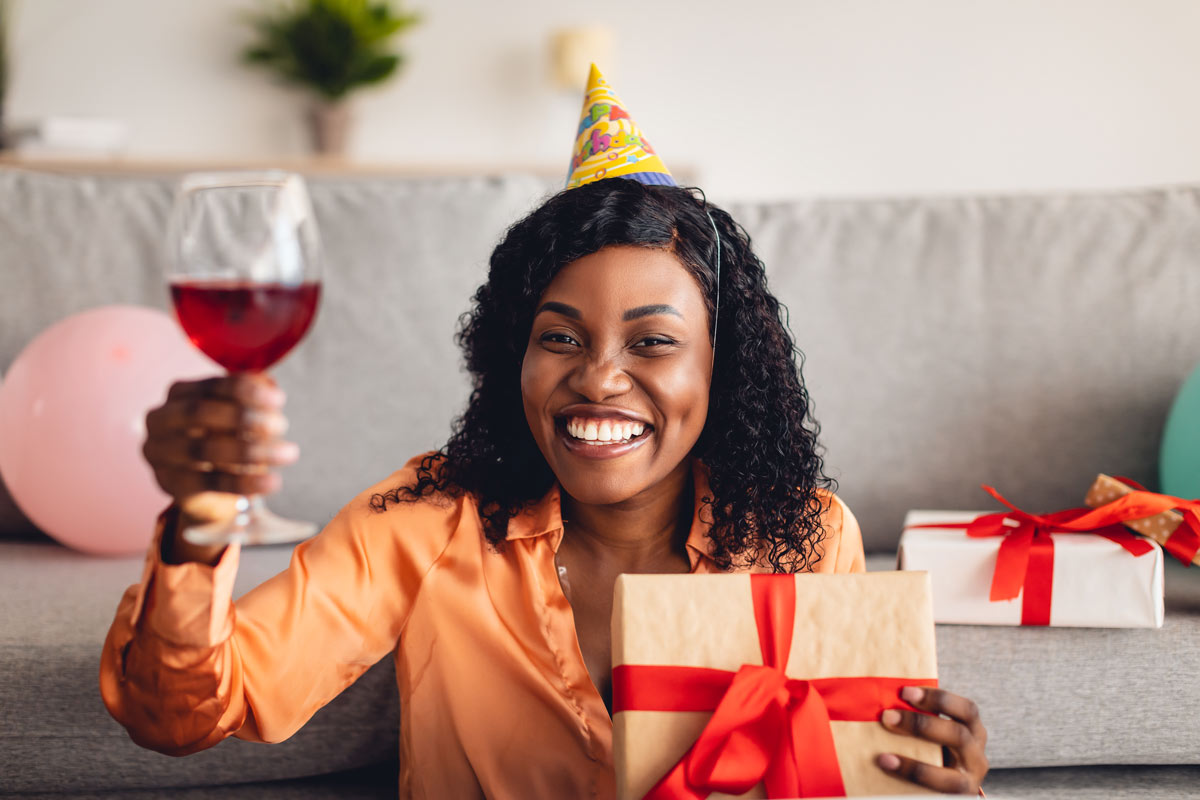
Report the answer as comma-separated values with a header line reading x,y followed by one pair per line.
x,y
759,441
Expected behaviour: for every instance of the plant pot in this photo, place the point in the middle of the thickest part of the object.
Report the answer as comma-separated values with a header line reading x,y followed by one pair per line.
x,y
329,125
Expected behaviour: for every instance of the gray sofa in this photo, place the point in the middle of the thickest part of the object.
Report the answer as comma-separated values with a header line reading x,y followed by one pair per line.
x,y
1028,342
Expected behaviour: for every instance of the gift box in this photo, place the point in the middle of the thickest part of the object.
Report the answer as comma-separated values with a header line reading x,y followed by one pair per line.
x,y
1007,570
1176,532
766,685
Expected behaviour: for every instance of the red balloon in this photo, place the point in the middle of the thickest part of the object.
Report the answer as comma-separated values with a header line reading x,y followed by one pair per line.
x,y
72,423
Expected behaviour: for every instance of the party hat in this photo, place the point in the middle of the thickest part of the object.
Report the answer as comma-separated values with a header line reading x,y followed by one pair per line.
x,y
609,144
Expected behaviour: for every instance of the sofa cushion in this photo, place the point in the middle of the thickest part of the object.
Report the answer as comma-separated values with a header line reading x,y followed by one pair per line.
x,y
1089,783
376,782
378,377
1026,342
945,337
1063,783
1049,696
55,733
1061,696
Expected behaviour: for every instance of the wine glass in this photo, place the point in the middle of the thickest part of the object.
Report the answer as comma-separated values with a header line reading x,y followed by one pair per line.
x,y
244,274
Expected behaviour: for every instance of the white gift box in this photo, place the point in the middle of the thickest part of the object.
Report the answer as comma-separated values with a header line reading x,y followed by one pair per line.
x,y
1096,583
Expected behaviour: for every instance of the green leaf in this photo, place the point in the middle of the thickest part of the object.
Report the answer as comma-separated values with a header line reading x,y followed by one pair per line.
x,y
259,54
376,70
331,46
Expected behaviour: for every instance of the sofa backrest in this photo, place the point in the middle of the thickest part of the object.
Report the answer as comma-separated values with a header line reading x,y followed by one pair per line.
x,y
1023,342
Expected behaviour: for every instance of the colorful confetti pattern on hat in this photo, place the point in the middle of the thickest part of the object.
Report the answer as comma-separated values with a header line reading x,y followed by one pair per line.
x,y
609,144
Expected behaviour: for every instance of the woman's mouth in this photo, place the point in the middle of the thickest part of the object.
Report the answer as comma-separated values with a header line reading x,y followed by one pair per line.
x,y
601,438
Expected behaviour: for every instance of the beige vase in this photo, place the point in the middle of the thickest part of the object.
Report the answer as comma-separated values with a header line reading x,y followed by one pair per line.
x,y
330,124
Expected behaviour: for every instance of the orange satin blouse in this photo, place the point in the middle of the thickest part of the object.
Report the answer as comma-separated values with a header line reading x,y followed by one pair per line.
x,y
481,640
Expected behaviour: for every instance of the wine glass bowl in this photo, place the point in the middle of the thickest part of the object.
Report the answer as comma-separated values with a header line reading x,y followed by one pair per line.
x,y
244,327
244,276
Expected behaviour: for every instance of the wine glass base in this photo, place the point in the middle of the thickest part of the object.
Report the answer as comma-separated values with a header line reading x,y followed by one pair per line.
x,y
254,524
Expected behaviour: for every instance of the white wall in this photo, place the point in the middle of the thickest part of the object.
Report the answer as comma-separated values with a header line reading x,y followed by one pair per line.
x,y
764,98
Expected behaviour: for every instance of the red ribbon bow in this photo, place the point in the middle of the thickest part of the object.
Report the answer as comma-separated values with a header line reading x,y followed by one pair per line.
x,y
766,727
1025,561
1184,541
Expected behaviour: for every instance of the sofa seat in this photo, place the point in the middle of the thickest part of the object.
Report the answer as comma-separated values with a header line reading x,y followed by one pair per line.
x,y
1025,341
57,736
378,783
1045,696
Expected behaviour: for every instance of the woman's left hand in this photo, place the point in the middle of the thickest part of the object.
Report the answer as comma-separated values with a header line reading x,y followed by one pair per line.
x,y
962,738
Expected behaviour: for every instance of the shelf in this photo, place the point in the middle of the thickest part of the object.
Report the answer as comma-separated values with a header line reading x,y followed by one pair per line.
x,y
304,166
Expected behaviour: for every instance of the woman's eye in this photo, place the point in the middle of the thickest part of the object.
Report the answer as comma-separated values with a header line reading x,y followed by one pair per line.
x,y
558,338
654,341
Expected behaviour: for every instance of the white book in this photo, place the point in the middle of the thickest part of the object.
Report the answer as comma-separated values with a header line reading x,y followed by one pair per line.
x,y
64,133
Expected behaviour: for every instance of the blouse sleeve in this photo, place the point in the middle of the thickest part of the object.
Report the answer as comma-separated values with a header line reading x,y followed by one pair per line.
x,y
183,666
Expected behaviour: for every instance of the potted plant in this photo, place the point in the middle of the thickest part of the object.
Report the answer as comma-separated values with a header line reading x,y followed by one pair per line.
x,y
330,48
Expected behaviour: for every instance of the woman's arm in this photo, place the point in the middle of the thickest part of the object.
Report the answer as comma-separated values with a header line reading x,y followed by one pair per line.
x,y
183,667
841,548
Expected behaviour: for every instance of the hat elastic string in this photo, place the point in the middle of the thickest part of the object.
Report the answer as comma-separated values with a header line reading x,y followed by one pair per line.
x,y
717,305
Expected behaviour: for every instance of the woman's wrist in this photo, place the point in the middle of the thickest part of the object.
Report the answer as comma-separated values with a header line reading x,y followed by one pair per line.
x,y
177,550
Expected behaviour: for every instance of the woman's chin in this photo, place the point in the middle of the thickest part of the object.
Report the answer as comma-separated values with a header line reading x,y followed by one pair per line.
x,y
599,492
601,481
608,483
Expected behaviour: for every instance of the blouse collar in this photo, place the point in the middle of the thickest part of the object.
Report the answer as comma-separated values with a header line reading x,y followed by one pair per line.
x,y
544,518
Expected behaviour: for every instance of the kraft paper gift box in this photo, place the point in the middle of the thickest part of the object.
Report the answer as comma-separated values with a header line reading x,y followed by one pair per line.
x,y
1168,528
847,644
1087,581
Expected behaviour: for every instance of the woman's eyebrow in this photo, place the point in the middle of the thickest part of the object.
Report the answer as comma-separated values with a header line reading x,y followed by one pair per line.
x,y
649,311
560,308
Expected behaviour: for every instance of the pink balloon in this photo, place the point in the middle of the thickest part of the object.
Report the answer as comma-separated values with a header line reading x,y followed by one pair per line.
x,y
72,423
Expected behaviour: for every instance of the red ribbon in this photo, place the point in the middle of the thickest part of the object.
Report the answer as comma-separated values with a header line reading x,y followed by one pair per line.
x,y
1184,541
766,727
1025,561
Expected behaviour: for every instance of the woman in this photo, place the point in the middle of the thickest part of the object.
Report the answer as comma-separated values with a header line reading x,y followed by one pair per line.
x,y
636,409
596,317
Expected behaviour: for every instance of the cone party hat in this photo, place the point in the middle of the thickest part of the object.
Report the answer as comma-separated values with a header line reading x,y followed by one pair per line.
x,y
609,144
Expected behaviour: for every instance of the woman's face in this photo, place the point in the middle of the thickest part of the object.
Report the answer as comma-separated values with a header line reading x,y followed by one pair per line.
x,y
616,373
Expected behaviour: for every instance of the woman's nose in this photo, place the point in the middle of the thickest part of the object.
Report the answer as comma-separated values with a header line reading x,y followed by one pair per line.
x,y
598,378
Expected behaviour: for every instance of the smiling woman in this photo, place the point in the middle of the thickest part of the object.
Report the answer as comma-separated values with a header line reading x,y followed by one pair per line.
x,y
636,408
602,303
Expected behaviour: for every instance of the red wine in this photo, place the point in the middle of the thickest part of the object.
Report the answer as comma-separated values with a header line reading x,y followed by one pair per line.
x,y
245,326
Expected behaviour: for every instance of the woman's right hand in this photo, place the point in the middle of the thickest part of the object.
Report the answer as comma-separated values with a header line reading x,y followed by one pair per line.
x,y
212,441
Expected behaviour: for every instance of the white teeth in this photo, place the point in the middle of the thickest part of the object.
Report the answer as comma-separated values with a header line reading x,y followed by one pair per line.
x,y
603,430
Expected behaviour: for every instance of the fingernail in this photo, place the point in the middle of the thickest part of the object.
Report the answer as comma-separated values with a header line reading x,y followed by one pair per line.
x,y
889,762
289,450
912,694
270,423
270,396
891,717
253,418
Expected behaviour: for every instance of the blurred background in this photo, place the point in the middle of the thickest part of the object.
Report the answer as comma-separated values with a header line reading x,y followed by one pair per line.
x,y
754,99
